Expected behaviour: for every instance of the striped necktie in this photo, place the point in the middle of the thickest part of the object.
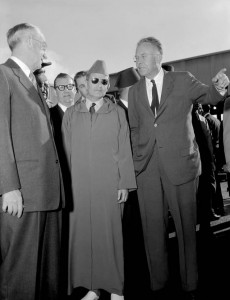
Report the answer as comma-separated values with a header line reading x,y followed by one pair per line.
x,y
33,80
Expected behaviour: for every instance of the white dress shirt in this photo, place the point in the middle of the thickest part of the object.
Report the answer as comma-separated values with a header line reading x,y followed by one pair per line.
x,y
21,64
159,84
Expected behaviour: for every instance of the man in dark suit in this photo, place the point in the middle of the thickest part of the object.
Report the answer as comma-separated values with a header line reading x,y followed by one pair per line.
x,y
215,128
65,91
44,85
30,176
166,158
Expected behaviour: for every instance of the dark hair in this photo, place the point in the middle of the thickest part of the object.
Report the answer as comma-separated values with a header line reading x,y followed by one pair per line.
x,y
78,75
61,75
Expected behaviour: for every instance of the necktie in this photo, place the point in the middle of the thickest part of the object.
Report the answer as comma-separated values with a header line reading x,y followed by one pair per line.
x,y
155,101
33,80
92,109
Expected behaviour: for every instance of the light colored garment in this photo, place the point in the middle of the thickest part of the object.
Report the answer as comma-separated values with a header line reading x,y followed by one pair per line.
x,y
101,163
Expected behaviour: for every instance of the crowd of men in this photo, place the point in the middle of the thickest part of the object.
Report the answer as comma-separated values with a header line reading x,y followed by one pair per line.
x,y
82,181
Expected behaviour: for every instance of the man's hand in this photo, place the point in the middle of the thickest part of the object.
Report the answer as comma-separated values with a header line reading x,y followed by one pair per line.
x,y
49,103
221,80
12,203
122,196
226,167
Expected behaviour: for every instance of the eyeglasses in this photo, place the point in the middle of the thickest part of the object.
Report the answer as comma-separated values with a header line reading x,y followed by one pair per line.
x,y
143,56
43,44
63,87
96,80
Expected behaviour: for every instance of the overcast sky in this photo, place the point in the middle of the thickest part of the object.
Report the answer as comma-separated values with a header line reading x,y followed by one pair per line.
x,y
78,32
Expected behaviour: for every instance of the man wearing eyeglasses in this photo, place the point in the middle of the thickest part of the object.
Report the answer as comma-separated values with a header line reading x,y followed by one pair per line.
x,y
96,137
31,189
65,91
166,159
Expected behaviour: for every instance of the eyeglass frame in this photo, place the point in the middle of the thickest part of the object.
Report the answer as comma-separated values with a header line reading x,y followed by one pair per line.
x,y
65,87
102,81
43,44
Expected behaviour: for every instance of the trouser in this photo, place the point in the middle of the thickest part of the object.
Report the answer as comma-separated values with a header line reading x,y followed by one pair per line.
x,y
30,256
157,195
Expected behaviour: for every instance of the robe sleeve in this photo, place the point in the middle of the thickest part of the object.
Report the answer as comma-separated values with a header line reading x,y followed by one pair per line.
x,y
125,162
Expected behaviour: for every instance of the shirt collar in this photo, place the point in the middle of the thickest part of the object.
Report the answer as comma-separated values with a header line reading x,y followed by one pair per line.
x,y
158,78
124,102
64,108
22,65
98,103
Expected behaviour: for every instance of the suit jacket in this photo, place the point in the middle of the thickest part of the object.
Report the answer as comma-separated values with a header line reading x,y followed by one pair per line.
x,y
171,131
28,160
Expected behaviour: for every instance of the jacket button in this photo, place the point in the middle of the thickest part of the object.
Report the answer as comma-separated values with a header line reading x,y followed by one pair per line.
x,y
155,125
56,161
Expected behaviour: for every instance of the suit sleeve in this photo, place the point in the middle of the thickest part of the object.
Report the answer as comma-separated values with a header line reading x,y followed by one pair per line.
x,y
9,179
133,122
202,93
125,162
226,130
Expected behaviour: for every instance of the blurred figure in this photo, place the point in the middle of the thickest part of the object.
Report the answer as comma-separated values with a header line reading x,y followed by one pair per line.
x,y
44,85
80,83
226,139
65,90
96,137
30,186
207,182
166,159
215,129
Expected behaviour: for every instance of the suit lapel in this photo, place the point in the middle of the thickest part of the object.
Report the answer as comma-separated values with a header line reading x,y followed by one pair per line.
x,y
143,94
25,81
168,84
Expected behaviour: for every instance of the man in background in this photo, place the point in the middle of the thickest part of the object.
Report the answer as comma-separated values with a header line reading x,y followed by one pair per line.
x,y
43,83
81,85
65,90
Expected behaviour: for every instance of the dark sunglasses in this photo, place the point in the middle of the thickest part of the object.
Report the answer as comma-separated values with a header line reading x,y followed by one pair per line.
x,y
96,80
63,87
